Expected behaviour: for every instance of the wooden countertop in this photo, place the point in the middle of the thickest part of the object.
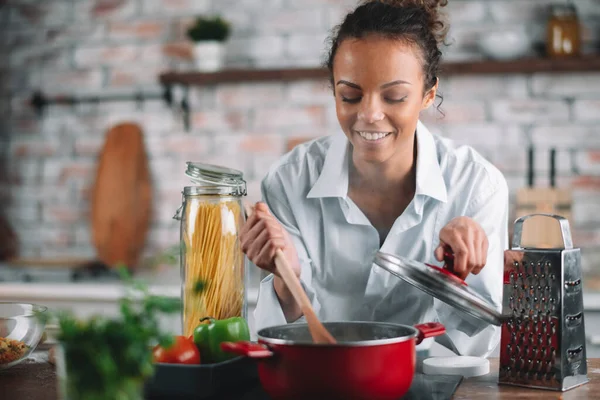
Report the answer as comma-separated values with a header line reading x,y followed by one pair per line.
x,y
487,388
35,379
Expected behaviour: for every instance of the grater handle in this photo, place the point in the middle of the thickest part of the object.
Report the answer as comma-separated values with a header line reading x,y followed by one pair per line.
x,y
565,230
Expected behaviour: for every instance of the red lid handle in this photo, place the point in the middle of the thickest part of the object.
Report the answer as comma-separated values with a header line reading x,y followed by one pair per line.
x,y
449,261
448,274
448,269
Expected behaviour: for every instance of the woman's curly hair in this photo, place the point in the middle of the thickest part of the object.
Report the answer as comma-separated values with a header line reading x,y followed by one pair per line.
x,y
418,22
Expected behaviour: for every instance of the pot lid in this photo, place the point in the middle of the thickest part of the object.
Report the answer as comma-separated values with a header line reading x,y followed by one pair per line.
x,y
441,284
216,175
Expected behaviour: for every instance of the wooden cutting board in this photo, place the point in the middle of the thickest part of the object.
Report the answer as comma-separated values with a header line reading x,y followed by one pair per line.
x,y
122,197
9,243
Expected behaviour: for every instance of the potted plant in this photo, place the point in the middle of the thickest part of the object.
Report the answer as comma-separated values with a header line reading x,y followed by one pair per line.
x,y
209,34
111,357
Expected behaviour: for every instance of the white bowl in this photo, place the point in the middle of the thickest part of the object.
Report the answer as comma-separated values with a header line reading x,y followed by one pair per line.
x,y
505,44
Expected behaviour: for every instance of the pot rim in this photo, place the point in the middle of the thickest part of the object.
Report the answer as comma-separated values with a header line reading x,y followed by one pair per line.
x,y
359,343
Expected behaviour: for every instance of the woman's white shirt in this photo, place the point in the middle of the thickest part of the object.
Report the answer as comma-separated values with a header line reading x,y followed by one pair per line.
x,y
307,192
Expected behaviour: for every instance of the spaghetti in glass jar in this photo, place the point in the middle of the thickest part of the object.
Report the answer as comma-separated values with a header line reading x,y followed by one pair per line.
x,y
211,217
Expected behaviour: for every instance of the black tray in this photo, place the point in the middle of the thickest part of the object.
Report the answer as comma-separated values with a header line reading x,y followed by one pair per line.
x,y
237,379
208,381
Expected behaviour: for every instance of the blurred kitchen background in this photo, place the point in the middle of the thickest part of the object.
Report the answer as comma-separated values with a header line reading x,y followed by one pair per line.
x,y
89,65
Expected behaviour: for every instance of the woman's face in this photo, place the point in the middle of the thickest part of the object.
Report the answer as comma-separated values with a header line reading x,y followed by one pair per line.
x,y
378,95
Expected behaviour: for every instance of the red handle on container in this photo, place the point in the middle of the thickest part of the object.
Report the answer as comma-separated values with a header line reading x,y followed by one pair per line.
x,y
247,349
428,330
448,269
448,273
449,261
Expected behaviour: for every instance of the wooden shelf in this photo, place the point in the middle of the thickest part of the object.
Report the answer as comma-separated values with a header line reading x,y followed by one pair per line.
x,y
242,75
522,66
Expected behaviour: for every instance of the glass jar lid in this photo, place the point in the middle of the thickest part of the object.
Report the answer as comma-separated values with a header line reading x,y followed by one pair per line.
x,y
563,10
216,176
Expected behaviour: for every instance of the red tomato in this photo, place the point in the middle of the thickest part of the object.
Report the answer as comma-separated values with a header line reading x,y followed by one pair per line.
x,y
183,351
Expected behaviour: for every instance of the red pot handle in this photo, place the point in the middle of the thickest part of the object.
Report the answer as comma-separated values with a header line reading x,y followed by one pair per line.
x,y
247,349
428,330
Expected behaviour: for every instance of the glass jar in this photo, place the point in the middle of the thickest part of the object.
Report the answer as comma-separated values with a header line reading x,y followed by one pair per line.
x,y
213,266
563,31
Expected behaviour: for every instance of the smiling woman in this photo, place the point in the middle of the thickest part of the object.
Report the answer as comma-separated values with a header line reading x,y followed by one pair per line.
x,y
384,184
378,118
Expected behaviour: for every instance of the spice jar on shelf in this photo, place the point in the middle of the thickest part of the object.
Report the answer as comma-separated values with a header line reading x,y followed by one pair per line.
x,y
211,217
563,31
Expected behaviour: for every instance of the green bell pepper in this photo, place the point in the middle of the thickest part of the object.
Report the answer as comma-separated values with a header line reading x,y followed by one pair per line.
x,y
209,336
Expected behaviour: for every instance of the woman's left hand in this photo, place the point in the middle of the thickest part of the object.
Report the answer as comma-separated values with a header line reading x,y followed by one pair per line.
x,y
468,242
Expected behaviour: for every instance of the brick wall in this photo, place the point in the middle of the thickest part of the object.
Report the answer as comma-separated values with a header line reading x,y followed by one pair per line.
x,y
113,46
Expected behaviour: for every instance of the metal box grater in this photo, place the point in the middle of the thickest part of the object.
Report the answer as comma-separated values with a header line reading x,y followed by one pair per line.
x,y
543,329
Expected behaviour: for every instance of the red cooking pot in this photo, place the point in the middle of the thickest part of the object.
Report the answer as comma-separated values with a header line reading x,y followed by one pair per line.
x,y
370,361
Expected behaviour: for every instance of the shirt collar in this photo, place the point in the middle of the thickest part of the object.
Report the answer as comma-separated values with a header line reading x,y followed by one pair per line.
x,y
333,180
430,181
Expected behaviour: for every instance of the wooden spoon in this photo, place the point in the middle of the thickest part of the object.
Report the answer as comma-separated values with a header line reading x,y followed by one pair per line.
x,y
319,333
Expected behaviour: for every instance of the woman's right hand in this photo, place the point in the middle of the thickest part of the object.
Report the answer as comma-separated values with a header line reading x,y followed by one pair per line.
x,y
262,235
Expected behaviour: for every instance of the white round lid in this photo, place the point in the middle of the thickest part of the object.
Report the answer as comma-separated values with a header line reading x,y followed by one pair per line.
x,y
456,365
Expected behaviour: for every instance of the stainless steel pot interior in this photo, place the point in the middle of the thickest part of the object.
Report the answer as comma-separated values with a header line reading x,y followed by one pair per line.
x,y
345,333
